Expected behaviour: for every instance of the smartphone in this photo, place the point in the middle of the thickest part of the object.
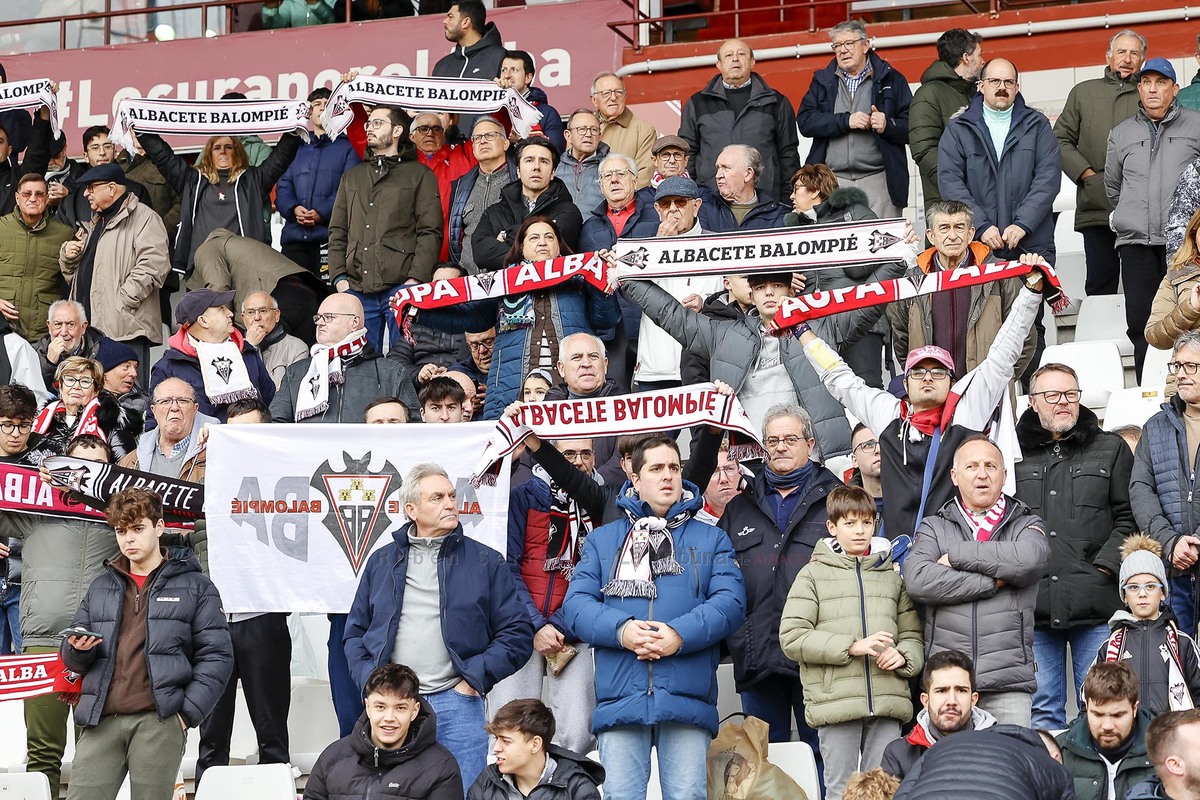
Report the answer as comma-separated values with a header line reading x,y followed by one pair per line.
x,y
77,632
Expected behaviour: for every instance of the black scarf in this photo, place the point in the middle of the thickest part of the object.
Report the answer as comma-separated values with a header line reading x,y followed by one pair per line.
x,y
87,262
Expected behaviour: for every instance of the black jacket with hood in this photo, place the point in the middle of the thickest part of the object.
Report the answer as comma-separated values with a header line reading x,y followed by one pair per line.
x,y
555,203
575,777
353,767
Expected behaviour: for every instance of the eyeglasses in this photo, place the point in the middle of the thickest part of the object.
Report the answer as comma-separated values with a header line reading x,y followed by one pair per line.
x,y
1190,367
868,447
1054,398
670,155
328,316
995,83
255,313
490,136
68,324
173,402
1138,588
372,124
728,471
571,455
922,373
483,344
425,130
668,202
609,93
843,46
616,173
9,428
82,381
91,187
790,440
27,195
100,148
590,130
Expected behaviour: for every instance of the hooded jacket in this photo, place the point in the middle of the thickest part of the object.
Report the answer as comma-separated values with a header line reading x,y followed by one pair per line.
x,y
1092,110
836,600
1161,487
575,777
420,769
29,274
1017,187
889,93
180,361
901,755
1089,768
964,608
484,626
480,61
770,559
386,225
704,605
1141,646
189,656
709,124
1079,485
312,181
582,178
1142,169
942,94
554,203
692,368
367,377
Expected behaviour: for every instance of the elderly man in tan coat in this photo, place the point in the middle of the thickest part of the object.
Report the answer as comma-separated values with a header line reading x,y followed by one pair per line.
x,y
118,262
624,133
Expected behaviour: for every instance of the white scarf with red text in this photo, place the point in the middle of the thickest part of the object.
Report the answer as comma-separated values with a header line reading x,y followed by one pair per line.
x,y
326,368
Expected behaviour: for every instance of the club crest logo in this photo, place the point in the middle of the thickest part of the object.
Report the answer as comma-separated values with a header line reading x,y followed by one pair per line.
x,y
314,386
882,241
486,280
358,511
636,258
75,479
224,367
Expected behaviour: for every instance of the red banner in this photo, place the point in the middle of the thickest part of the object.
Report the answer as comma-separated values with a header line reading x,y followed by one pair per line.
x,y
29,676
22,490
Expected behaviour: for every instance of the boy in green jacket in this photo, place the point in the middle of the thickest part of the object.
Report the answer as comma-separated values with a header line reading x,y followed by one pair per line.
x,y
854,631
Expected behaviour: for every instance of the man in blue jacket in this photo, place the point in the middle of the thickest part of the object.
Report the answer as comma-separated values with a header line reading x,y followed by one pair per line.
x,y
155,655
305,193
447,607
654,595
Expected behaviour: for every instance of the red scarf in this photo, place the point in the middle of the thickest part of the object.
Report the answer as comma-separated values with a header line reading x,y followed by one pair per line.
x,y
85,422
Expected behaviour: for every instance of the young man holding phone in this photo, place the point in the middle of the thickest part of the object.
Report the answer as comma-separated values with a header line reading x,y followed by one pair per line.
x,y
154,650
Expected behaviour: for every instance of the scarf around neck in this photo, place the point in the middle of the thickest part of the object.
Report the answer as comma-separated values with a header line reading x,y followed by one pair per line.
x,y
85,422
648,551
569,526
796,479
223,370
326,368
984,524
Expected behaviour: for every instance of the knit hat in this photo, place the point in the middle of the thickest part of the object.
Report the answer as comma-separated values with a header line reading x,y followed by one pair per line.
x,y
112,354
1141,555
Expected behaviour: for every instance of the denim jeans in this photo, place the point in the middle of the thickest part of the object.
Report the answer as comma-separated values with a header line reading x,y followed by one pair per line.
x,y
377,313
1183,602
10,619
776,701
460,730
1050,655
347,699
681,750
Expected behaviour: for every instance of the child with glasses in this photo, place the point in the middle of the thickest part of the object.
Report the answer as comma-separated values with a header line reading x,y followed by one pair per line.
x,y
1146,636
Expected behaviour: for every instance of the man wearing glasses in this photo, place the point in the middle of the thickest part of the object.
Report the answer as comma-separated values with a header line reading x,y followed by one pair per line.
x,y
579,167
449,162
620,129
1162,488
279,350
29,243
856,113
97,150
1076,476
478,189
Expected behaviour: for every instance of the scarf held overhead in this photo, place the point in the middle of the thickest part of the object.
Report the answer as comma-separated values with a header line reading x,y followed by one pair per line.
x,y
647,412
795,310
31,94
208,118
814,247
95,482
461,95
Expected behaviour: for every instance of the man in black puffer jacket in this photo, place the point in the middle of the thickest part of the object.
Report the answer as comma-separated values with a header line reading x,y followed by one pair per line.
x,y
157,664
393,749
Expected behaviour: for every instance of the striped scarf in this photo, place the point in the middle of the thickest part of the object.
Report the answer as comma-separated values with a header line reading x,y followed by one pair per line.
x,y
983,525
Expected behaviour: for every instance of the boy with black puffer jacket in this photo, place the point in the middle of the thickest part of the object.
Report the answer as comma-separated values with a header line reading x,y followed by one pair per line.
x,y
851,626
1147,637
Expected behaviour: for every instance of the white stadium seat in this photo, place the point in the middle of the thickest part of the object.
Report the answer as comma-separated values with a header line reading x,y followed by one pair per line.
x,y
1098,365
258,782
799,762
312,724
24,786
1154,369
1102,319
1133,406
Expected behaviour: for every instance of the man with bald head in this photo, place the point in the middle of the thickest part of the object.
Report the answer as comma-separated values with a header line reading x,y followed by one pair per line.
x,y
743,206
738,107
975,566
583,363
344,373
479,188
279,350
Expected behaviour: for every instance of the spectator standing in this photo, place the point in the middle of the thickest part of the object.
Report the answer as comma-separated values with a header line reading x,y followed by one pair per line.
x,y
1104,749
738,107
623,131
29,243
260,318
516,72
1076,476
654,613
974,565
621,211
449,161
867,462
478,47
37,158
431,572
947,86
69,335
742,206
308,188
61,173
579,167
479,189
297,14
98,150
118,261
1146,153
725,484
583,365
856,113
1176,307
154,674
1092,109
386,227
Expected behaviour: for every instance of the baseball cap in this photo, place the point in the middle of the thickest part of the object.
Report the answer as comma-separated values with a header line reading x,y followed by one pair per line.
x,y
197,301
677,186
1159,65
664,142
930,352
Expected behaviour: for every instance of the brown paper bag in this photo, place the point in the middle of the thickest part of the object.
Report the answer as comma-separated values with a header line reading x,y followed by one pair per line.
x,y
738,768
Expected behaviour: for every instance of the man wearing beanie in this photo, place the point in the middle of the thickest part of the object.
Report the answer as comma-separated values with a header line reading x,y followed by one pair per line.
x,y
1146,636
120,364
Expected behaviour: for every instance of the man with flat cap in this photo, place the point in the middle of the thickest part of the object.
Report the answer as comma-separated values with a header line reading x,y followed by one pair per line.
x,y
669,156
118,261
211,355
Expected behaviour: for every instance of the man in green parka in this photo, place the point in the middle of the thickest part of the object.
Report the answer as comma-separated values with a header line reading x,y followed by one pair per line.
x,y
947,86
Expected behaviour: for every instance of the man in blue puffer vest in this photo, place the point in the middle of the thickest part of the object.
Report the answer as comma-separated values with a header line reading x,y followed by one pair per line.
x,y
654,595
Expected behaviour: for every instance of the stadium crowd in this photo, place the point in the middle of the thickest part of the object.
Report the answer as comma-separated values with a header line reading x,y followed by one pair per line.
x,y
910,619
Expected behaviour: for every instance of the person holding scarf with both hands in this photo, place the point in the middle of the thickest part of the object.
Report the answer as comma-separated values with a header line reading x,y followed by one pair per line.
x,y
654,594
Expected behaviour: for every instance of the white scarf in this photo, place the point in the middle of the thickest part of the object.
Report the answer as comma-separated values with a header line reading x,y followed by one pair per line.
x,y
325,369
224,372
